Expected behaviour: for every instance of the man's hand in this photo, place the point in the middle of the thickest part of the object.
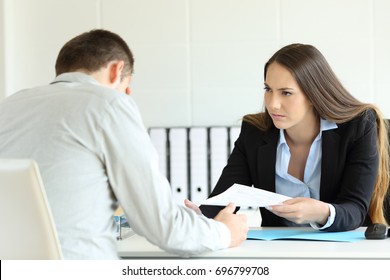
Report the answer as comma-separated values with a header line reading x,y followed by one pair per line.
x,y
192,206
237,224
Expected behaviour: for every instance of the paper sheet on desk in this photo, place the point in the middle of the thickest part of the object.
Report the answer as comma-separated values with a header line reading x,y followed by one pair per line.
x,y
242,195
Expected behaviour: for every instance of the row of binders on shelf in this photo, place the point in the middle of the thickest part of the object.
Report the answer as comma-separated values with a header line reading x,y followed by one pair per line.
x,y
192,158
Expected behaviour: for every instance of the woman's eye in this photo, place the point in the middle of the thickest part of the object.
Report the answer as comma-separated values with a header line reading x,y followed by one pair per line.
x,y
286,93
267,89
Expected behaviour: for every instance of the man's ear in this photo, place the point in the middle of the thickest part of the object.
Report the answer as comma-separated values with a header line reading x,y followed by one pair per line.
x,y
116,68
128,90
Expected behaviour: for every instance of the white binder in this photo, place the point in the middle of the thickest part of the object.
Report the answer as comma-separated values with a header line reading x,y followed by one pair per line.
x,y
198,164
159,140
178,164
218,152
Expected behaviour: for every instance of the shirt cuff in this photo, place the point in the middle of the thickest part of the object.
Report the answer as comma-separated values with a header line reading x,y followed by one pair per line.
x,y
330,221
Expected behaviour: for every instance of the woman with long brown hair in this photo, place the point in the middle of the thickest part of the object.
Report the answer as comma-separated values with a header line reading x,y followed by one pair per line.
x,y
313,142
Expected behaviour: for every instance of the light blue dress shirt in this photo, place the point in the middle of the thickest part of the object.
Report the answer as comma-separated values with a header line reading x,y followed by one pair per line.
x,y
288,185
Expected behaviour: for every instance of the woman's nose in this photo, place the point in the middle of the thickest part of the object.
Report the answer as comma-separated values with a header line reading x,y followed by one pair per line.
x,y
273,102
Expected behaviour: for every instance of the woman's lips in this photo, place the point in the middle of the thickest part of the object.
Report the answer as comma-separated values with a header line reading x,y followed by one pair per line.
x,y
277,116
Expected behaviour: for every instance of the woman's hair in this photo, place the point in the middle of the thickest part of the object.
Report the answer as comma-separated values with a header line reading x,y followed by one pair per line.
x,y
331,101
93,50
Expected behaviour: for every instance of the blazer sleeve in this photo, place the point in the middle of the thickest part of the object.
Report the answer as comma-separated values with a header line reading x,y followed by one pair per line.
x,y
236,171
355,174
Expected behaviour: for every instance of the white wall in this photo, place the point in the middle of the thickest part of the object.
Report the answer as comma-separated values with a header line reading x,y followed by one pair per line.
x,y
199,62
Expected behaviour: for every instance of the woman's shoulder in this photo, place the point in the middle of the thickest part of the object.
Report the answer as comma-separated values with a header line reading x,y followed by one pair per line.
x,y
367,117
360,124
255,132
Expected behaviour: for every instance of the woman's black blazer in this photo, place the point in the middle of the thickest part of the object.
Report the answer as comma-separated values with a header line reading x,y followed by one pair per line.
x,y
349,169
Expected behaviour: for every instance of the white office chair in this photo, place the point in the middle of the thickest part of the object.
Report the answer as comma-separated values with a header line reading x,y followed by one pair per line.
x,y
27,228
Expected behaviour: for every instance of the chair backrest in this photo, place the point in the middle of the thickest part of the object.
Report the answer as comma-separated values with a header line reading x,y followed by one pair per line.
x,y
27,228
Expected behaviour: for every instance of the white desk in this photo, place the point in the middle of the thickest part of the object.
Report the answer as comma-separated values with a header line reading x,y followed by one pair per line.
x,y
136,246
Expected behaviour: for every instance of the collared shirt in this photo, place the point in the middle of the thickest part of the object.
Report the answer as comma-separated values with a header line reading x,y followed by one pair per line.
x,y
288,185
94,152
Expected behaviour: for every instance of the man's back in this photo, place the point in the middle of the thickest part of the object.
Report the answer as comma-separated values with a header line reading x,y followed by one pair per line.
x,y
59,126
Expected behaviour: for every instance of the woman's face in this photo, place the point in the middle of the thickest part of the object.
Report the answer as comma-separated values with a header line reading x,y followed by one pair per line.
x,y
287,105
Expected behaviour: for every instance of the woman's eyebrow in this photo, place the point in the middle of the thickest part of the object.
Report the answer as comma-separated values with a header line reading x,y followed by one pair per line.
x,y
279,89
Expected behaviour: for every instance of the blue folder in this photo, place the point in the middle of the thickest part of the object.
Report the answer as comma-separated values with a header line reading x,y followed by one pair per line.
x,y
314,235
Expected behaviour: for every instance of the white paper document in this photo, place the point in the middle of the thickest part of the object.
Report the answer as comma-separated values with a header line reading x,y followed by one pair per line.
x,y
242,195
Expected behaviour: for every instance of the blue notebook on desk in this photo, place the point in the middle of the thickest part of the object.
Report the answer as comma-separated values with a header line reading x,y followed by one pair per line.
x,y
313,235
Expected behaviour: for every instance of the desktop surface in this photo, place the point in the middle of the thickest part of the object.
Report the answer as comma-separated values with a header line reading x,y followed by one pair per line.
x,y
135,246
